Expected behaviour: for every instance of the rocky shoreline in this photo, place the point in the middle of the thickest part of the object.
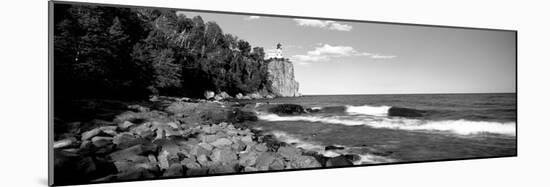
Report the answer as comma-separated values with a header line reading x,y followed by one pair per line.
x,y
178,138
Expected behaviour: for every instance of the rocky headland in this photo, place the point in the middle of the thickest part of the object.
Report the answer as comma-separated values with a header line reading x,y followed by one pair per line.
x,y
174,137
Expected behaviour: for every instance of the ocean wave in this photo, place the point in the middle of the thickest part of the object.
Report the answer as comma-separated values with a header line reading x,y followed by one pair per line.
x,y
368,110
364,158
461,127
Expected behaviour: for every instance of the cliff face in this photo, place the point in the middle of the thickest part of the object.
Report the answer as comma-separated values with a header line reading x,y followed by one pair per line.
x,y
281,75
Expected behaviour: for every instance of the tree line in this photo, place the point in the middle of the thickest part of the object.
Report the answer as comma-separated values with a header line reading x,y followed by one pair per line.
x,y
111,52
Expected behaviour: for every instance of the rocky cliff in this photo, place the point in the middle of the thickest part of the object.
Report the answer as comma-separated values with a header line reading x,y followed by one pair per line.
x,y
281,75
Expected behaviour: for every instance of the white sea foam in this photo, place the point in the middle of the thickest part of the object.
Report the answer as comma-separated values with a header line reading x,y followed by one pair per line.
x,y
372,159
462,127
368,110
320,149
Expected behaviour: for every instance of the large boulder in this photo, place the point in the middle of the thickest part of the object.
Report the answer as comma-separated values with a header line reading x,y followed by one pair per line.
x,y
305,162
126,139
223,156
65,143
209,94
289,153
338,162
287,109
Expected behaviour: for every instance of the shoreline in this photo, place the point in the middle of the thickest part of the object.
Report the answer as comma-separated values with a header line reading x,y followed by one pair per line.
x,y
190,137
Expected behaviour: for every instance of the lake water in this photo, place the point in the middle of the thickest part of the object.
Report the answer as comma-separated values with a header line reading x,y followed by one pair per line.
x,y
426,126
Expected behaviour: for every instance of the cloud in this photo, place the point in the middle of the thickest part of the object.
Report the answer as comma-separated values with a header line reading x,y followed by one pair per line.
x,y
252,18
326,52
382,56
331,25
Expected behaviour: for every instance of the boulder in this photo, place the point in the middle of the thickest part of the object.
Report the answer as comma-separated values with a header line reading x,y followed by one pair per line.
x,y
277,164
264,161
190,163
90,134
208,94
247,139
250,169
223,168
175,170
196,171
144,131
138,108
202,159
289,153
223,156
338,161
353,157
405,112
224,95
261,147
287,109
100,141
248,158
239,96
333,147
65,143
206,146
304,162
222,142
125,140
134,151
125,125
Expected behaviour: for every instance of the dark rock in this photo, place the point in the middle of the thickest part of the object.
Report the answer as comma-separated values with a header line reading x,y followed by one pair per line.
x,y
196,171
250,169
132,152
223,168
338,161
190,163
405,112
353,157
239,116
333,147
175,170
287,109
138,173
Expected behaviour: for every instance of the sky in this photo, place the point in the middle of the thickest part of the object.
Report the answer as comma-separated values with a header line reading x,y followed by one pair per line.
x,y
339,57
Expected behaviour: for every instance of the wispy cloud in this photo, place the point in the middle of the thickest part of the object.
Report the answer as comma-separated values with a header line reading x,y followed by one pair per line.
x,y
252,18
331,25
326,52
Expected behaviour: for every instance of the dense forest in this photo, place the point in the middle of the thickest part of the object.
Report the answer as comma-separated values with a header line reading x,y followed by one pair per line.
x,y
131,53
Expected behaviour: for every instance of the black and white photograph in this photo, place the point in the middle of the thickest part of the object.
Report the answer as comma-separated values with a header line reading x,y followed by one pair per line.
x,y
143,93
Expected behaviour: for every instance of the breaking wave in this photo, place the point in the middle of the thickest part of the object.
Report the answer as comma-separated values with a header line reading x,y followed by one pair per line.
x,y
364,158
368,110
462,127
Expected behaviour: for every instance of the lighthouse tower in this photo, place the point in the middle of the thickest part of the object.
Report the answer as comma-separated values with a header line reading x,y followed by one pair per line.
x,y
279,53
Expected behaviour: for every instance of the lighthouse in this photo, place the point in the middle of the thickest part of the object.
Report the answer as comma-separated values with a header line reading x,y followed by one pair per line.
x,y
279,53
